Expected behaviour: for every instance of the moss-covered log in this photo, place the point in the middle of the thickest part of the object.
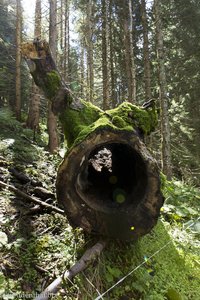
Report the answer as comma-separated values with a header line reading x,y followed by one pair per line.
x,y
108,182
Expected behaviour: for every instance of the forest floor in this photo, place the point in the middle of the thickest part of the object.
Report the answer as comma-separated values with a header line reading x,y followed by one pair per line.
x,y
38,244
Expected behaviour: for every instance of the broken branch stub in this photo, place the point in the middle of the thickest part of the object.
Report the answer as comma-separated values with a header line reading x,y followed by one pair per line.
x,y
108,182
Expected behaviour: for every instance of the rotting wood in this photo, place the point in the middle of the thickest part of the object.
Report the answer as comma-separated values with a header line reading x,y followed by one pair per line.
x,y
88,257
122,202
30,198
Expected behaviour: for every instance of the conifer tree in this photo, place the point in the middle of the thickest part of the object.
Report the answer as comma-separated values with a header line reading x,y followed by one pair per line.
x,y
18,59
34,106
52,119
165,127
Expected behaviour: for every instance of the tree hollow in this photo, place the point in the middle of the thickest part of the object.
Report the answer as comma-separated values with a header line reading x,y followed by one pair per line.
x,y
109,185
121,184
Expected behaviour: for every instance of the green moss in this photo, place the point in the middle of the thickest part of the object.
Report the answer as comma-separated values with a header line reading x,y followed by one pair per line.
x,y
118,122
53,83
162,271
74,121
134,116
79,123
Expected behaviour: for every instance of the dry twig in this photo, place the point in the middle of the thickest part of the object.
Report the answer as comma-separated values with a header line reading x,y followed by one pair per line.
x,y
30,198
89,256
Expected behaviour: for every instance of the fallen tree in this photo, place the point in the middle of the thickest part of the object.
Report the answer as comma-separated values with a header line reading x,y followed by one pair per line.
x,y
108,182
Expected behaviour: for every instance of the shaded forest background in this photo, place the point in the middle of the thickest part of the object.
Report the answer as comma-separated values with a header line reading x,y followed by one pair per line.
x,y
110,52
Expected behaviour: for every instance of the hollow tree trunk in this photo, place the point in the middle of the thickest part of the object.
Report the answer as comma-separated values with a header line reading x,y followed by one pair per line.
x,y
108,182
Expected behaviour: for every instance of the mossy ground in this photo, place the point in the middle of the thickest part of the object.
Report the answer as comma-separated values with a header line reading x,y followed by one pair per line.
x,y
37,247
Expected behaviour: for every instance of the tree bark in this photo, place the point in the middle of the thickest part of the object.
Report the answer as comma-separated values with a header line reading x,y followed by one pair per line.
x,y
61,30
105,73
66,42
38,20
165,126
129,54
90,60
34,106
132,57
18,61
108,182
52,119
147,69
112,57
82,68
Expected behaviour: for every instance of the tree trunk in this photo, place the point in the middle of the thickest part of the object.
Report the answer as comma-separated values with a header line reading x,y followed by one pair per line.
x,y
132,58
105,54
18,61
165,127
112,57
34,106
66,42
38,19
147,70
90,62
108,182
129,55
61,31
52,119
82,69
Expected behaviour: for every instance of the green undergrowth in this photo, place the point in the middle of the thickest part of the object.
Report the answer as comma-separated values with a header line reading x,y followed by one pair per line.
x,y
17,140
166,264
35,248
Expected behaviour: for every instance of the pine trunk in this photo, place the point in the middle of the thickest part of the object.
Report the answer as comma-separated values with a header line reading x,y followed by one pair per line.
x,y
105,55
129,54
90,61
108,182
147,69
82,69
34,106
165,127
18,62
52,119
112,58
66,42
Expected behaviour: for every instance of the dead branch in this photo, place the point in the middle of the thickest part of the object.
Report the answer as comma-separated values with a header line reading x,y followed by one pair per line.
x,y
23,177
88,257
43,193
30,198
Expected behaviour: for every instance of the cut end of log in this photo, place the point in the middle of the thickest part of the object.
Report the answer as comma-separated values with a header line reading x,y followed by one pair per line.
x,y
114,176
109,185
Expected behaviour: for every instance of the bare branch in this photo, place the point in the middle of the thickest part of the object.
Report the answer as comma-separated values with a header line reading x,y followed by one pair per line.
x,y
88,257
30,198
